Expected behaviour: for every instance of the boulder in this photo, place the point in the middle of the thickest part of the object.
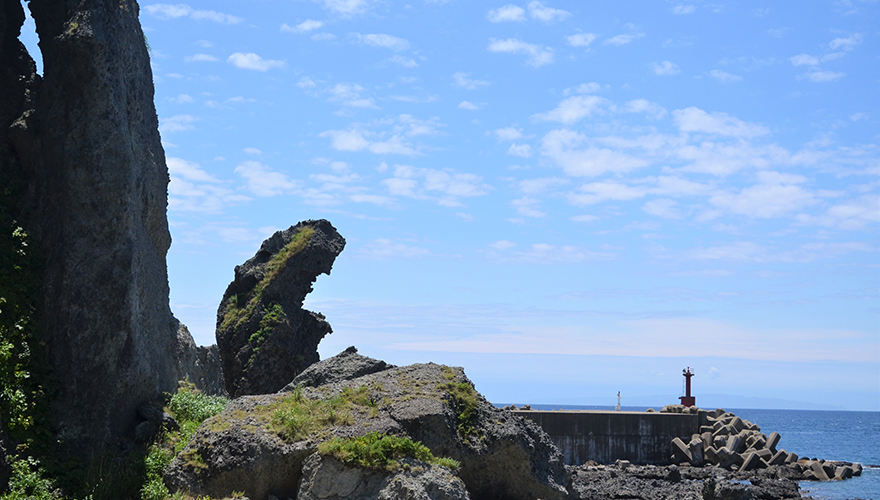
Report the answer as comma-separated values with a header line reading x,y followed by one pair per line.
x,y
265,337
247,447
325,478
347,365
84,139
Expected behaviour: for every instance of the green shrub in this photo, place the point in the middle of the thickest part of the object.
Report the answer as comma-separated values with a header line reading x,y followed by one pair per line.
x,y
296,417
380,451
463,399
188,404
27,482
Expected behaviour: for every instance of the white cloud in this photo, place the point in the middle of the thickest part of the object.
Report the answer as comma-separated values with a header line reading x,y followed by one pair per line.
x,y
252,151
443,186
263,181
168,11
850,215
506,13
253,61
775,196
349,94
662,207
360,140
501,245
540,185
547,14
191,171
573,109
696,120
537,55
306,83
683,9
462,80
581,39
584,88
651,109
384,248
177,123
406,62
303,27
508,133
723,76
665,68
521,150
323,37
846,43
561,146
382,40
181,99
345,8
597,192
241,98
623,39
468,105
804,59
824,76
200,58
528,207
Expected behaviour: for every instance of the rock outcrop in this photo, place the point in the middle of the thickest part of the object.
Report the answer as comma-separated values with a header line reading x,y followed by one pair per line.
x,y
200,365
83,143
264,335
325,478
260,443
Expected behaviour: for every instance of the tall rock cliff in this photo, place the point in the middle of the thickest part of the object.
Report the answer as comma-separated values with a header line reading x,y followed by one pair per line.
x,y
86,142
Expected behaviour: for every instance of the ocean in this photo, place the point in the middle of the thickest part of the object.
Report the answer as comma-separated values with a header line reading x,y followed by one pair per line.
x,y
852,436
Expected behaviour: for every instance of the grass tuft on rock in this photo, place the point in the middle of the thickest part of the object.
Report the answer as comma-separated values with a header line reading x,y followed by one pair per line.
x,y
380,451
297,417
239,307
462,398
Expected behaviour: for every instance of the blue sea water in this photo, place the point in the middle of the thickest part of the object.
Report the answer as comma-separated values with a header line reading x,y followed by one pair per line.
x,y
851,436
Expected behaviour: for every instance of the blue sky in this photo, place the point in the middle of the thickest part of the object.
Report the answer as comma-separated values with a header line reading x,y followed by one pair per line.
x,y
568,198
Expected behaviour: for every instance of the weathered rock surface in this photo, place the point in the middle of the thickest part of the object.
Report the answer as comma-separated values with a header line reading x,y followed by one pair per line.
x,y
325,478
501,455
649,482
347,365
198,364
264,335
84,139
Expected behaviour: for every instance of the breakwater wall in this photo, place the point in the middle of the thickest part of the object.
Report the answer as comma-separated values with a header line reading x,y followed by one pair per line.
x,y
606,436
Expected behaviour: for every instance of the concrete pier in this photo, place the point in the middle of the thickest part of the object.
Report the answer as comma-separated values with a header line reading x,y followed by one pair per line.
x,y
606,436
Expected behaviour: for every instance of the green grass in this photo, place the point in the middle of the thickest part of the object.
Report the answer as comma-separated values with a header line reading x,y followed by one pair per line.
x,y
463,399
380,451
236,313
297,417
190,408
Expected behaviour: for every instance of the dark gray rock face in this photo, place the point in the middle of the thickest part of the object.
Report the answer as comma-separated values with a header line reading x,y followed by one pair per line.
x,y
264,335
325,478
502,455
347,365
85,140
198,364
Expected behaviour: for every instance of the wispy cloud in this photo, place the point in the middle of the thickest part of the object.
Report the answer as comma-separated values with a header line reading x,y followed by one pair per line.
x,y
665,68
253,62
303,27
169,11
537,55
507,13
462,80
382,40
581,39
265,182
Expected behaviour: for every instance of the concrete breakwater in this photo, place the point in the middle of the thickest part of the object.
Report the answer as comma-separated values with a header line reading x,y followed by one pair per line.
x,y
606,436
677,435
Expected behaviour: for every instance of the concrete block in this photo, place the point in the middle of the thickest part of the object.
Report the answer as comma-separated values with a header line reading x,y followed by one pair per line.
x,y
764,453
778,458
829,469
717,425
711,456
737,423
719,441
759,443
772,441
707,428
844,472
680,451
857,470
818,472
696,449
707,439
791,458
734,443
751,461
726,458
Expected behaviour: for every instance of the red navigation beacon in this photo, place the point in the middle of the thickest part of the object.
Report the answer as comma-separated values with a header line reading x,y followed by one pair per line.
x,y
687,399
